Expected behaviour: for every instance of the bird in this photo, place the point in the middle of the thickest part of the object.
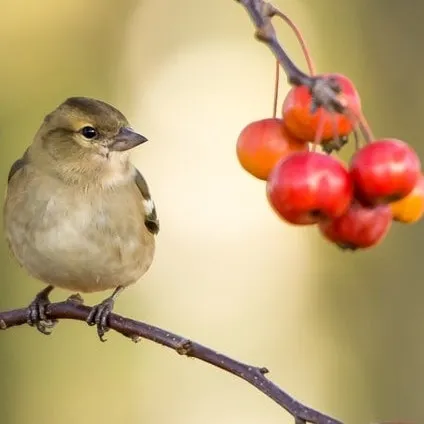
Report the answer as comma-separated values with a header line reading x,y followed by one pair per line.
x,y
78,215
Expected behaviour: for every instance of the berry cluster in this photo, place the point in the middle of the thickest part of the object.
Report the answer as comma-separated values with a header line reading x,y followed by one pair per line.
x,y
353,205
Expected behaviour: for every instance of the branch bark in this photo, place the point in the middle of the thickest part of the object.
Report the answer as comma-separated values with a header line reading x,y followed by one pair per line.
x,y
254,375
325,90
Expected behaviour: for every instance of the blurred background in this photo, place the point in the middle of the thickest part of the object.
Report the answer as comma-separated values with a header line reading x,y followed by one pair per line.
x,y
342,332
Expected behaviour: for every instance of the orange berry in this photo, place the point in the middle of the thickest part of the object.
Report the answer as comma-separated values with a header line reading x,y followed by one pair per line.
x,y
263,143
411,208
302,123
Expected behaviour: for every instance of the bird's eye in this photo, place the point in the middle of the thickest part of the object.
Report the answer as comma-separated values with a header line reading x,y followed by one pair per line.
x,y
89,132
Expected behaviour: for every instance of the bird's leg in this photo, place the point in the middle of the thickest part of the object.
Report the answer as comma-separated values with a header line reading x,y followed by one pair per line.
x,y
37,312
99,313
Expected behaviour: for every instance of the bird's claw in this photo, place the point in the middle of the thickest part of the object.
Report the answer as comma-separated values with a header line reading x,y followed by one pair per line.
x,y
36,315
99,316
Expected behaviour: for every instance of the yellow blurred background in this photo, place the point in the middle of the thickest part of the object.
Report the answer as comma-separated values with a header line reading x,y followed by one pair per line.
x,y
342,332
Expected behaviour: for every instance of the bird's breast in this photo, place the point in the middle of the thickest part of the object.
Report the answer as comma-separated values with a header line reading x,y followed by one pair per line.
x,y
83,240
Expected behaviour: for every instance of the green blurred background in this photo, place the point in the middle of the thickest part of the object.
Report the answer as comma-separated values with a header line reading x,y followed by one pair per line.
x,y
343,333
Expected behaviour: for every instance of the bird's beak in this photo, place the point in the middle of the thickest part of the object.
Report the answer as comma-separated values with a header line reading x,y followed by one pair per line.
x,y
126,139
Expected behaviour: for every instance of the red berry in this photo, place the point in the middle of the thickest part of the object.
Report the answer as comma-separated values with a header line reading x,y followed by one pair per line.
x,y
307,186
303,124
359,227
384,171
263,143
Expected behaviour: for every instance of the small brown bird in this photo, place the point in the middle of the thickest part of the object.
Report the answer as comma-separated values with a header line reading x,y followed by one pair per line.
x,y
78,215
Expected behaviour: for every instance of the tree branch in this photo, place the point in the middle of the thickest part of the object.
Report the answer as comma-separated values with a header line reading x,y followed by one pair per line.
x,y
261,13
325,90
135,329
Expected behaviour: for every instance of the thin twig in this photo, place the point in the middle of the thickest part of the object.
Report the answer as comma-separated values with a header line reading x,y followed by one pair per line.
x,y
135,329
325,91
276,89
261,13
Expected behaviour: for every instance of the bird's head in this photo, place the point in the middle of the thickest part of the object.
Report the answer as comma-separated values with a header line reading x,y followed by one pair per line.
x,y
85,136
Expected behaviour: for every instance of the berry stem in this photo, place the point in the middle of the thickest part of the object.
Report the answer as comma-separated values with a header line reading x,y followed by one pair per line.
x,y
365,128
276,87
318,134
356,137
300,39
360,121
357,117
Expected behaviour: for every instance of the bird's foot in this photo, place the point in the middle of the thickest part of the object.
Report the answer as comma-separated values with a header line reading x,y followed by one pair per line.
x,y
99,315
37,312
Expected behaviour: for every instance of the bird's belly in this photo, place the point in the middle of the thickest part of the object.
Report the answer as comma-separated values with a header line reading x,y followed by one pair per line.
x,y
82,246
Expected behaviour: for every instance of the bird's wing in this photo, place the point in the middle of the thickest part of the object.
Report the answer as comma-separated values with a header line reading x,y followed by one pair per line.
x,y
151,221
17,165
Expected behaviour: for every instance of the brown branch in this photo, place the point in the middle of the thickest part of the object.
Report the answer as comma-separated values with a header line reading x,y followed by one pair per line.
x,y
135,329
325,91
261,14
